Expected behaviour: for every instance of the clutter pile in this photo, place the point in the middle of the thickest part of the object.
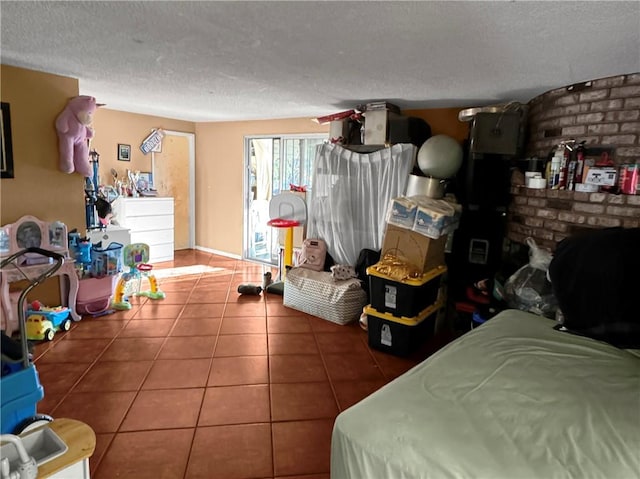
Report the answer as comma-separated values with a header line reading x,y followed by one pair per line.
x,y
406,286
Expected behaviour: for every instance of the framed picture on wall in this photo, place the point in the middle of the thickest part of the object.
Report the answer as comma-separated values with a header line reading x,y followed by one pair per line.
x,y
7,144
124,152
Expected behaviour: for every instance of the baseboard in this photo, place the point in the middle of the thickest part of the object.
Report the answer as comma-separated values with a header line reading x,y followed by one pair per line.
x,y
217,252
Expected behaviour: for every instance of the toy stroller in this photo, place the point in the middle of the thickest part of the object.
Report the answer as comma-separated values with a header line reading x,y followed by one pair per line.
x,y
20,388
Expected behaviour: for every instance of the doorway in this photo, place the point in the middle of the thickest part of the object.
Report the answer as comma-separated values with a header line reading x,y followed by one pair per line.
x,y
173,171
272,165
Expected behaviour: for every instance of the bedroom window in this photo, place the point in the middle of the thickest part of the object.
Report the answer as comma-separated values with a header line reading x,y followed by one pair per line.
x,y
272,164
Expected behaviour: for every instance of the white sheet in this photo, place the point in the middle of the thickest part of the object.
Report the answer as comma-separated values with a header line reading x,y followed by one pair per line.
x,y
350,195
512,399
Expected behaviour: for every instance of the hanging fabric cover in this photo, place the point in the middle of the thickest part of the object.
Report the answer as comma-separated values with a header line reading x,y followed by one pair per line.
x,y
350,194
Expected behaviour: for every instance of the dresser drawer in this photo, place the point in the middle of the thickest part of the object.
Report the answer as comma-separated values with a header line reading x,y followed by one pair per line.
x,y
147,206
150,223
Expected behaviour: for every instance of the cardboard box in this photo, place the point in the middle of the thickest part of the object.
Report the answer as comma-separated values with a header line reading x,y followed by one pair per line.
x,y
416,249
339,129
376,127
601,176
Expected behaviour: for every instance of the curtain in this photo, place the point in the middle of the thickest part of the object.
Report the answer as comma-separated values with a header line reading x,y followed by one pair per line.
x,y
350,195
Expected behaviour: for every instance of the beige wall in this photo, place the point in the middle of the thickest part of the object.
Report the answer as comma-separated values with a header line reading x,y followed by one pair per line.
x,y
443,121
113,127
220,163
219,176
37,98
39,188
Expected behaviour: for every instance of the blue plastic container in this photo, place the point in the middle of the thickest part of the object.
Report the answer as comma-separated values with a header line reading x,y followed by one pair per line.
x,y
106,261
19,394
477,319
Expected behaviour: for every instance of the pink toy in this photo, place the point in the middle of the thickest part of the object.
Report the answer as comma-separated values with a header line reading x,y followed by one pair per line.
x,y
73,135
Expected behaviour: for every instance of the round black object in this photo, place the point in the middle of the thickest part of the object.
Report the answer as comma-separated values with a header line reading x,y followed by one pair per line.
x,y
249,289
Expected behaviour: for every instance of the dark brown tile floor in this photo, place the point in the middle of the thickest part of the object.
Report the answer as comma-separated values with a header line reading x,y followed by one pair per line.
x,y
207,383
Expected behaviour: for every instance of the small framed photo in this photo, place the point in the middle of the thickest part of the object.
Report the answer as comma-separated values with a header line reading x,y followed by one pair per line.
x,y
145,182
124,152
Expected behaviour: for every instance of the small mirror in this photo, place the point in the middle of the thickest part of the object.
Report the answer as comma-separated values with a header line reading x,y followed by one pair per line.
x,y
29,235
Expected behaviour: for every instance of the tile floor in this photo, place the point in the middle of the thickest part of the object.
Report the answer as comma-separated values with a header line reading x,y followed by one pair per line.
x,y
208,383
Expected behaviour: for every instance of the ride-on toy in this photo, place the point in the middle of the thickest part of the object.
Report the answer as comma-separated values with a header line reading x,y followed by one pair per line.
x,y
44,322
136,257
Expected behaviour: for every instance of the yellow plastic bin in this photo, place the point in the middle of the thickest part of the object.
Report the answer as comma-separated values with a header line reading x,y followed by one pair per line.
x,y
404,298
400,336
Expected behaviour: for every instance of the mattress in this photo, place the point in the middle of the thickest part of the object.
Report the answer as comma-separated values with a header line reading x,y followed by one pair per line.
x,y
513,398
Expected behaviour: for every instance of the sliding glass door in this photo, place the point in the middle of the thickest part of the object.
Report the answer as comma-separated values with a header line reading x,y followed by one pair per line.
x,y
273,165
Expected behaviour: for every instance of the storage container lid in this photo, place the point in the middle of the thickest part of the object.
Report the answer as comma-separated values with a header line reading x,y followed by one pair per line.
x,y
424,314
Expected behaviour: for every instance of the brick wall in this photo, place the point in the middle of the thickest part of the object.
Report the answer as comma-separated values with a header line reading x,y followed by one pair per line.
x,y
549,216
602,112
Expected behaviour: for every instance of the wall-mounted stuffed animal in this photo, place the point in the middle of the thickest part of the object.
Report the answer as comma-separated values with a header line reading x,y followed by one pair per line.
x,y
74,132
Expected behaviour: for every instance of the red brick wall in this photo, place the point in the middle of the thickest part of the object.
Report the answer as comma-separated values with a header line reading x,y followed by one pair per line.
x,y
602,112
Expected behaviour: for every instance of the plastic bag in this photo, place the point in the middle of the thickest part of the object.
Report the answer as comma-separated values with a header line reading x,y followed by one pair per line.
x,y
529,289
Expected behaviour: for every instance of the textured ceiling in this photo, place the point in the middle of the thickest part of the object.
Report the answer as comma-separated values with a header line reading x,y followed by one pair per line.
x,y
219,61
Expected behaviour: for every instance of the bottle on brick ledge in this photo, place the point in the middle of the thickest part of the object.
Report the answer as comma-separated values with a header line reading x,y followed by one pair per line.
x,y
579,162
554,169
571,170
564,151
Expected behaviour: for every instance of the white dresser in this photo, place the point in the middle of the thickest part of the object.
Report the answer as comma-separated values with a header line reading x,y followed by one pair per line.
x,y
150,221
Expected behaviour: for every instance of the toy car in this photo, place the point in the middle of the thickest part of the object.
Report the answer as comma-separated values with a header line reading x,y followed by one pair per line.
x,y
43,323
38,328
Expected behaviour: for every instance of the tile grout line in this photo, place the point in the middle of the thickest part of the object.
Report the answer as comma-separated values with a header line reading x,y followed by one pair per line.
x,y
139,389
206,384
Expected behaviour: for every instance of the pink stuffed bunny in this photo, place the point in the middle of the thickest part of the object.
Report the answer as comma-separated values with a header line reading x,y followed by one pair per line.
x,y
73,135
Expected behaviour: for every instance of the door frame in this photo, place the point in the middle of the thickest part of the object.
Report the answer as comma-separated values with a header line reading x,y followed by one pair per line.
x,y
191,140
246,177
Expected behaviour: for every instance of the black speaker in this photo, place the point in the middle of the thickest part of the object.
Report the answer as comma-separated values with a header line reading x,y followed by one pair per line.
x,y
408,129
497,133
476,252
487,180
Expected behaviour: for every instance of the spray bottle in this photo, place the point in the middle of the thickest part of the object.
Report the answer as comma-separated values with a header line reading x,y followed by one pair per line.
x,y
555,166
580,161
564,152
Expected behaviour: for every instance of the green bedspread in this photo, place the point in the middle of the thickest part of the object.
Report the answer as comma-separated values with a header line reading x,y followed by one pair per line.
x,y
512,399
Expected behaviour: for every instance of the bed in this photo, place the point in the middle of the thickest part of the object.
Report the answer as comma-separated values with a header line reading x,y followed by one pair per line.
x,y
513,398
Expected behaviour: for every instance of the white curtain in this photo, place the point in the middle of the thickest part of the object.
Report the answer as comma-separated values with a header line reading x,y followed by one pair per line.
x,y
350,196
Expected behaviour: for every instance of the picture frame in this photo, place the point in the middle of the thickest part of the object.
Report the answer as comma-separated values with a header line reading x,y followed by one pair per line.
x,y
145,180
124,152
6,165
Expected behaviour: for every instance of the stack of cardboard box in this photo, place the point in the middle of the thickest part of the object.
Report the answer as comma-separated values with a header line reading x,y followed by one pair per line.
x,y
405,302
